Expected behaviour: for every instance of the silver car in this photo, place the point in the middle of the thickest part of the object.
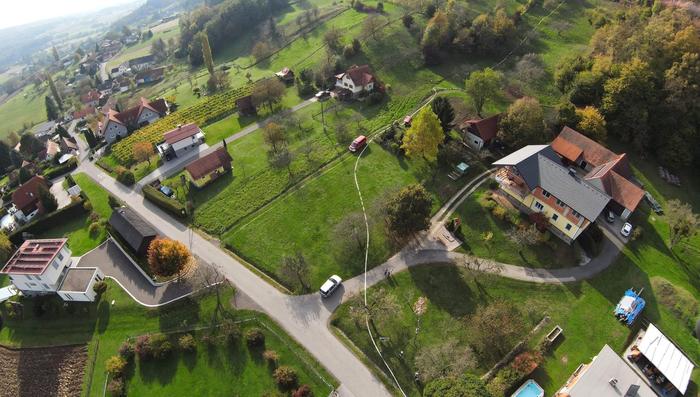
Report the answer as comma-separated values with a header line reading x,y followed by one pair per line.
x,y
330,285
626,229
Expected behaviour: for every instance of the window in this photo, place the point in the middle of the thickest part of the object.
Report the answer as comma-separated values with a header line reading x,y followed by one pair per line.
x,y
60,256
54,264
555,217
45,285
539,205
560,203
545,193
568,226
584,164
576,214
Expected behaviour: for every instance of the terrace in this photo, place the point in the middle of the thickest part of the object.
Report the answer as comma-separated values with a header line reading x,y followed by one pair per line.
x,y
510,181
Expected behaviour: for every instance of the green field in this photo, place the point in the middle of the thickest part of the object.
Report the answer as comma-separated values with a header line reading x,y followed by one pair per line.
x,y
142,48
25,109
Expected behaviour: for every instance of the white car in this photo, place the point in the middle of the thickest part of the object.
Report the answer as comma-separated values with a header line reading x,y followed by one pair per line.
x,y
323,95
330,285
626,229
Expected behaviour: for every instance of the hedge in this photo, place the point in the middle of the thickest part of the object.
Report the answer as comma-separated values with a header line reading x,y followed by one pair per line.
x,y
166,203
53,172
66,214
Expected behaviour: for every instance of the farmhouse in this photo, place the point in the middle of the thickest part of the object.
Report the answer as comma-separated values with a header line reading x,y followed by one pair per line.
x,y
355,80
133,229
41,267
90,98
120,124
181,140
286,75
479,133
149,76
25,199
141,63
206,169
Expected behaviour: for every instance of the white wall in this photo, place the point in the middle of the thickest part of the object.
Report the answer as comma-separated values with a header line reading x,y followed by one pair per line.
x,y
113,130
88,295
47,281
147,115
475,142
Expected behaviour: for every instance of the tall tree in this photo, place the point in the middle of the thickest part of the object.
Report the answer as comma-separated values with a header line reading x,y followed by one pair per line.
x,y
5,156
482,86
54,52
408,211
159,49
435,37
54,91
268,91
495,328
143,151
206,52
447,358
61,131
681,220
372,27
295,270
90,137
592,123
443,110
51,108
30,145
466,385
523,123
274,135
424,136
47,200
167,257
6,247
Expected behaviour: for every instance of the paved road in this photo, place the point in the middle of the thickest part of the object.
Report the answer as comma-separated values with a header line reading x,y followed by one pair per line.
x,y
173,167
305,318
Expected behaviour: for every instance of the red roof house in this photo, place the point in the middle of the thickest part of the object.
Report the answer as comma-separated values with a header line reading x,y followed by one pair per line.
x,y
479,133
33,256
26,198
209,167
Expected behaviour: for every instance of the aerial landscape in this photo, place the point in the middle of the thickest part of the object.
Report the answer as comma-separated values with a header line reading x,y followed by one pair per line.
x,y
350,198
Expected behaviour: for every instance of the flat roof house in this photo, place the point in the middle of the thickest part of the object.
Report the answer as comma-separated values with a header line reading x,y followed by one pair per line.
x,y
43,266
208,168
133,229
183,139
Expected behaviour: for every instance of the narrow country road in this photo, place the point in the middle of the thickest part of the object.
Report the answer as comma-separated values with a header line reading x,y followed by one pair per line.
x,y
305,318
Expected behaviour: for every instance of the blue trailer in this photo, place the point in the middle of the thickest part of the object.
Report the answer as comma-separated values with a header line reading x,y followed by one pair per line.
x,y
630,306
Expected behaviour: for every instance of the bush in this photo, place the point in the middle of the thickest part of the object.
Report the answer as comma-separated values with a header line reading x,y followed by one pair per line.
x,y
113,202
285,377
160,346
187,343
166,203
115,366
94,229
271,357
493,185
499,212
303,391
143,347
637,233
115,387
126,350
126,177
229,331
348,51
100,287
53,172
254,337
87,205
375,97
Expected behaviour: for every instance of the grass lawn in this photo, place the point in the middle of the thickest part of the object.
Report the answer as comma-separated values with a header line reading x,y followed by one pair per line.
x,y
80,240
143,48
477,221
23,110
104,326
98,196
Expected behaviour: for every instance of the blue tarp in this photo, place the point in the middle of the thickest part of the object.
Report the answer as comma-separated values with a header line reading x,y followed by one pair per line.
x,y
629,307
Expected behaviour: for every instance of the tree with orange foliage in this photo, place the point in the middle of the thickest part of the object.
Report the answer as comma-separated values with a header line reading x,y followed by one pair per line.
x,y
143,151
167,257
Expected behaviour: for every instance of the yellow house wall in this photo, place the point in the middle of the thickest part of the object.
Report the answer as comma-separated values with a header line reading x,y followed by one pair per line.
x,y
560,223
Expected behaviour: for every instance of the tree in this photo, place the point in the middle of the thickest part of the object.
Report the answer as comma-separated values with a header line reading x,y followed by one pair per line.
x,y
350,235
495,328
333,39
89,137
206,52
142,151
447,358
268,91
372,27
408,211
523,123
274,135
435,37
62,132
483,86
566,113
52,112
467,385
443,110
29,145
682,85
382,305
424,136
529,68
295,270
407,20
24,175
682,222
54,91
167,257
261,50
592,123
47,200
159,49
524,236
6,247
6,159
54,52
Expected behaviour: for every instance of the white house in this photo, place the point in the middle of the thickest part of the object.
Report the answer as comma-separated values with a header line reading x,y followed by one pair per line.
x,y
478,133
183,139
356,79
120,124
41,267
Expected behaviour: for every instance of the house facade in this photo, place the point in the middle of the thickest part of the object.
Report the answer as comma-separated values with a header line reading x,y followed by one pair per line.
x,y
478,133
120,124
181,140
355,80
25,200
208,168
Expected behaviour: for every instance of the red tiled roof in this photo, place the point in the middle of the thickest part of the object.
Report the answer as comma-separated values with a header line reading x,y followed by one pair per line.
x,y
360,75
131,115
485,128
181,133
609,178
209,163
569,142
27,195
33,256
90,96
79,114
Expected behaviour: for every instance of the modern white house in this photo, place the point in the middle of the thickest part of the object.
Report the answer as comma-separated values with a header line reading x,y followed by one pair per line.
x,y
41,267
181,140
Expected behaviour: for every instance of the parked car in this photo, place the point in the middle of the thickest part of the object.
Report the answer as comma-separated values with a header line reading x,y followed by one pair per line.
x,y
610,217
330,285
407,121
167,191
626,229
358,143
323,95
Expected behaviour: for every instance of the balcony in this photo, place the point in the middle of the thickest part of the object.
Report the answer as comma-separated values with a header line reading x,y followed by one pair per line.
x,y
511,182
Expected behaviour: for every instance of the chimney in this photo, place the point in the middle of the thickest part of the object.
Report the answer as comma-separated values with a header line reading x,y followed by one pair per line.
x,y
572,172
613,382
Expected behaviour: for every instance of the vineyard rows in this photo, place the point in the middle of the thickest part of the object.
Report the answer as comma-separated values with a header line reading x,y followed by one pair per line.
x,y
207,110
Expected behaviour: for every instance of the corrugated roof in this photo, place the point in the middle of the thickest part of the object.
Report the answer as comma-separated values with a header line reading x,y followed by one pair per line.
x,y
33,256
666,357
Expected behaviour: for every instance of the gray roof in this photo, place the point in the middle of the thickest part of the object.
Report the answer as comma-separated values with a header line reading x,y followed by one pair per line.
x,y
78,279
540,166
131,226
595,381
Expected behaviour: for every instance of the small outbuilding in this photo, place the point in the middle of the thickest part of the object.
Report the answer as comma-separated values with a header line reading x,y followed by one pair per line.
x,y
286,75
133,229
208,168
